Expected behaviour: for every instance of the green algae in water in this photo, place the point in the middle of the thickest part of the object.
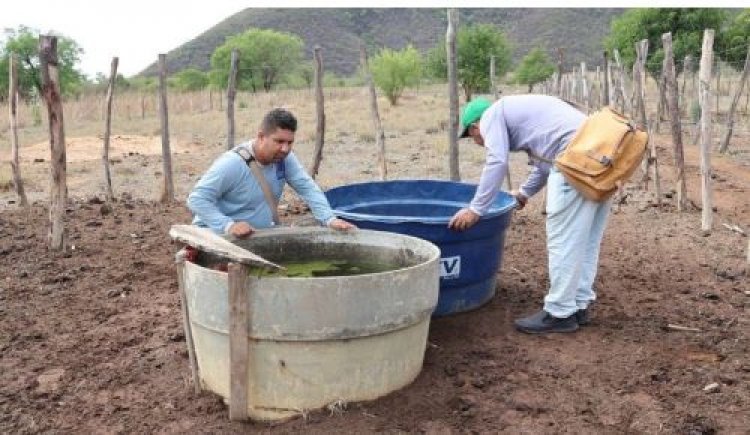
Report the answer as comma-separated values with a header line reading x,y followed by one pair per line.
x,y
322,268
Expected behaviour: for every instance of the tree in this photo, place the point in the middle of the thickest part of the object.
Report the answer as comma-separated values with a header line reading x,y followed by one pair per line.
x,y
24,42
475,46
265,56
190,79
534,68
734,40
685,24
393,71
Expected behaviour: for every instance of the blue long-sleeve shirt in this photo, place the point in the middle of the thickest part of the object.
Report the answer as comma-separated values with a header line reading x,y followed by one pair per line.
x,y
228,192
540,124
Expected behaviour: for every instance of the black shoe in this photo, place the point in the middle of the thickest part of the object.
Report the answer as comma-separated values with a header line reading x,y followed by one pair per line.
x,y
542,322
582,317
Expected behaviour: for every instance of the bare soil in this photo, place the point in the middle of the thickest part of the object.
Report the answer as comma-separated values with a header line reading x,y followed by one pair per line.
x,y
91,340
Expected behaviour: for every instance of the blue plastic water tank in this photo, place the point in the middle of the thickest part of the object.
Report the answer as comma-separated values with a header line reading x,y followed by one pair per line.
x,y
423,208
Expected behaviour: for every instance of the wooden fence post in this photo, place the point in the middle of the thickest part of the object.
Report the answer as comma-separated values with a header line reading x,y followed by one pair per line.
x,y
167,193
493,89
320,115
605,92
58,182
450,46
687,68
675,122
379,133
624,107
13,113
231,93
707,53
584,87
559,70
730,116
108,129
639,92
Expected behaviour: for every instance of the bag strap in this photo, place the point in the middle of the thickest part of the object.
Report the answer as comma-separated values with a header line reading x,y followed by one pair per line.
x,y
261,179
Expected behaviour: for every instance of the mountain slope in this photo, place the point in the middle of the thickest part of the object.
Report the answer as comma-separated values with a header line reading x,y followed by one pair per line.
x,y
340,31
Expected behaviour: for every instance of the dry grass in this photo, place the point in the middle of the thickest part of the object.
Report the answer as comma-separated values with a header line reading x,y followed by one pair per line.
x,y
415,134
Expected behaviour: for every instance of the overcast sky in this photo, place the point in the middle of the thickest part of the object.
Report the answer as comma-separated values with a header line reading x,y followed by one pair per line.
x,y
134,30
138,30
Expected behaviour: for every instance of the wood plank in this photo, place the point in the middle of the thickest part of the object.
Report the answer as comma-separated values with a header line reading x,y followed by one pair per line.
x,y
239,320
206,240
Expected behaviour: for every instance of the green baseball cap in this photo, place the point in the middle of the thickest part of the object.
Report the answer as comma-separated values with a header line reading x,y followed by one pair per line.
x,y
472,113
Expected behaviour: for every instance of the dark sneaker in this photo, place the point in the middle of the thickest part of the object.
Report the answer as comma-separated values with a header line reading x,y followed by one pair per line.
x,y
582,317
542,322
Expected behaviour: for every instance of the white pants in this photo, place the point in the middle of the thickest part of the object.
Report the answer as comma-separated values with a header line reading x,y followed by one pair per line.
x,y
575,226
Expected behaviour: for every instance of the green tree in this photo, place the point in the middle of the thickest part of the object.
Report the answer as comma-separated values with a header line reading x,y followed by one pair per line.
x,y
265,57
190,79
24,42
685,24
534,68
393,71
733,42
475,46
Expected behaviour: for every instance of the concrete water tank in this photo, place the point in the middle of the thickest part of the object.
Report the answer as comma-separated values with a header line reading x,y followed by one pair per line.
x,y
322,340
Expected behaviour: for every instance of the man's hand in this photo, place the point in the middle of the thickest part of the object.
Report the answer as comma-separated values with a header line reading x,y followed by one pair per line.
x,y
521,199
341,225
241,229
463,220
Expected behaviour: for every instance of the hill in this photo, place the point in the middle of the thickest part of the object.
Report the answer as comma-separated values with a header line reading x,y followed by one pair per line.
x,y
340,31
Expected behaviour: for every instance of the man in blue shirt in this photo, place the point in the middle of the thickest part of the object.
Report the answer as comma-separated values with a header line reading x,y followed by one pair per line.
x,y
229,199
542,126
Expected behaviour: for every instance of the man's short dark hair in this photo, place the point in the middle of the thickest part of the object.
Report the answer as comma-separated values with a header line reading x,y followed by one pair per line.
x,y
278,119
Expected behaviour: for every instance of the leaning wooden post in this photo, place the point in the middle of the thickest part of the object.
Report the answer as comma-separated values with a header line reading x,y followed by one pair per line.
x,y
167,193
676,126
379,133
707,54
108,129
231,93
58,181
239,340
180,259
450,46
730,116
320,115
13,112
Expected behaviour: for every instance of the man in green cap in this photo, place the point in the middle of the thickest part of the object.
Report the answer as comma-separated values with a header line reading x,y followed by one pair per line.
x,y
542,126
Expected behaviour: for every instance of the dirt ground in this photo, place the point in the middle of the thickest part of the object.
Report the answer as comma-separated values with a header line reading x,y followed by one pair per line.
x,y
91,340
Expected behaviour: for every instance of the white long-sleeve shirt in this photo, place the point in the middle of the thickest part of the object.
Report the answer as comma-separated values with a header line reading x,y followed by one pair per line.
x,y
540,124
